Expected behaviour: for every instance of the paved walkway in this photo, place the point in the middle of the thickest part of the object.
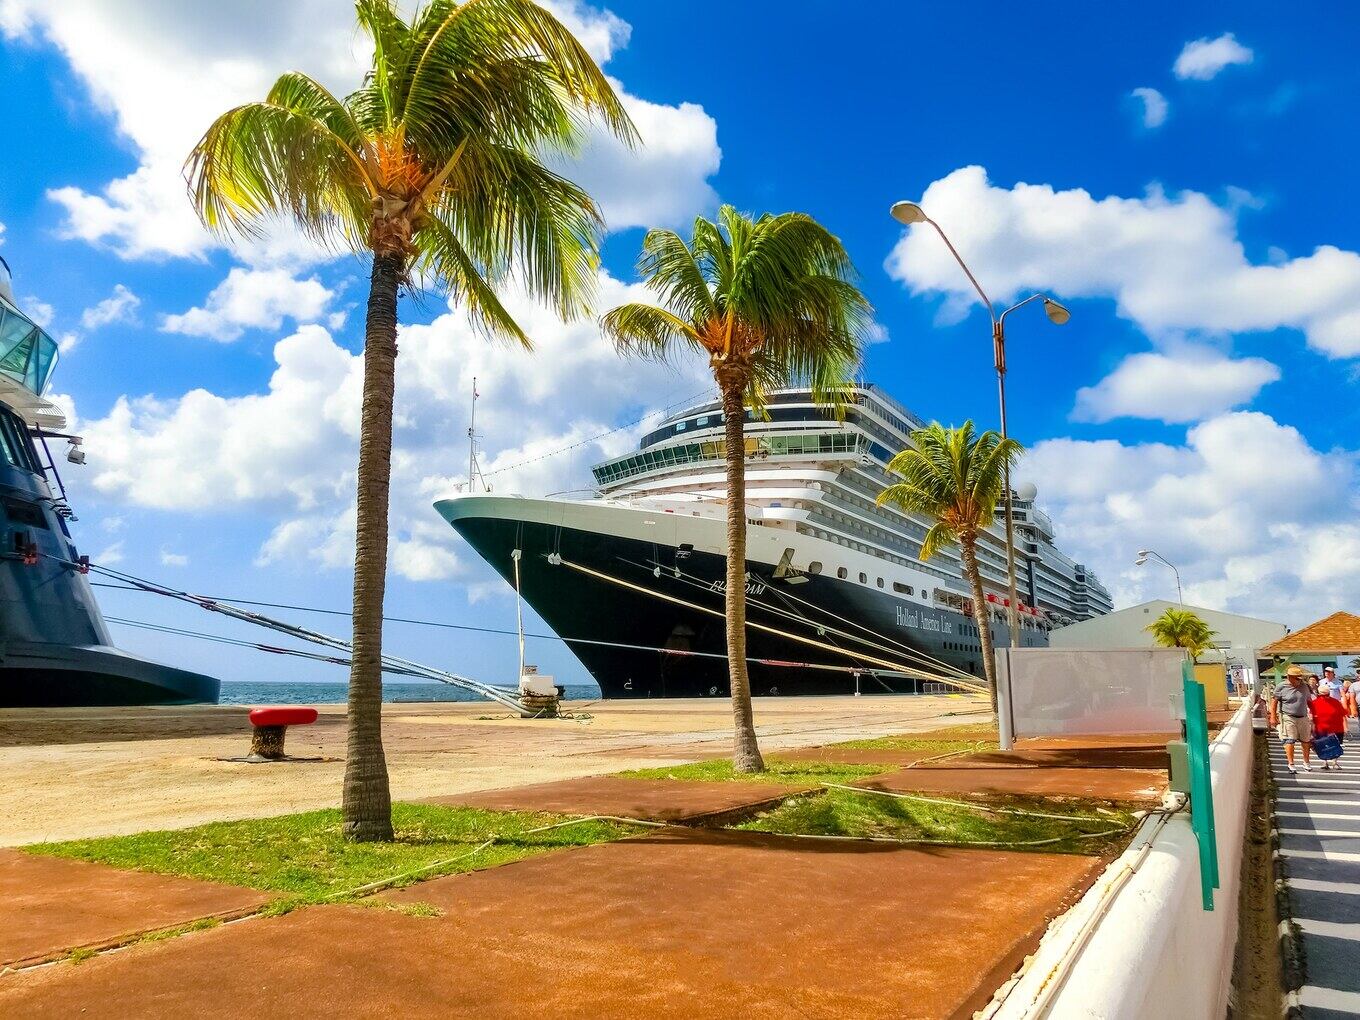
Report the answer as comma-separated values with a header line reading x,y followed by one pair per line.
x,y
1317,815
680,923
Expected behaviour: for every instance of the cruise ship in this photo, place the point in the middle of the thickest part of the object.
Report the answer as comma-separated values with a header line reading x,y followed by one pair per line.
x,y
55,649
838,601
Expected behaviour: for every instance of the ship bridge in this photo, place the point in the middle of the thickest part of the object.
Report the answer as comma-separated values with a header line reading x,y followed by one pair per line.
x,y
28,354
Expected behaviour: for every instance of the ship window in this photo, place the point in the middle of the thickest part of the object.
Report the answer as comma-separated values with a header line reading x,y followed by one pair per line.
x,y
905,589
880,582
680,427
21,511
701,420
815,567
863,577
7,446
842,573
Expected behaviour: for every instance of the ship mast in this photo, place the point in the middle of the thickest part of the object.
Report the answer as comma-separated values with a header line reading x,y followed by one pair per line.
x,y
474,469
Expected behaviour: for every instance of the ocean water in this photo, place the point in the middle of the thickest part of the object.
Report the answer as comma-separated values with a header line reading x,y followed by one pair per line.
x,y
241,693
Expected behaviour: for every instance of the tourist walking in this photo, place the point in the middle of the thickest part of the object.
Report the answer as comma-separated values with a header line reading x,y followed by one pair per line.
x,y
1289,714
1330,681
1329,720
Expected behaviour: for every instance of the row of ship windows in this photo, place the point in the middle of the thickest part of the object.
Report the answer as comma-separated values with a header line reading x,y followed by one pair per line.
x,y
843,573
716,450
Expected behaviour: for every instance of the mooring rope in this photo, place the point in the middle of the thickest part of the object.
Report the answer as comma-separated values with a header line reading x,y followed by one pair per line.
x,y
896,667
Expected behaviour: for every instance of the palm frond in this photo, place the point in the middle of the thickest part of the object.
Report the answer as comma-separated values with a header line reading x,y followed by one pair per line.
x,y
648,331
265,160
443,254
457,50
673,274
952,476
513,213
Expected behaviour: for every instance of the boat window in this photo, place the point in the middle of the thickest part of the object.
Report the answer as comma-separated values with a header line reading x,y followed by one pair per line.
x,y
7,449
880,582
842,573
863,577
815,567
680,426
701,420
904,589
21,511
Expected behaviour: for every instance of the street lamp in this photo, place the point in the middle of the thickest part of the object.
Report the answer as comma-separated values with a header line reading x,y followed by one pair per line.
x,y
1146,554
909,213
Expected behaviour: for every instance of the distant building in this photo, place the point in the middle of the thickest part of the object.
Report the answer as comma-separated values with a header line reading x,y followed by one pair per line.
x,y
1332,641
1237,635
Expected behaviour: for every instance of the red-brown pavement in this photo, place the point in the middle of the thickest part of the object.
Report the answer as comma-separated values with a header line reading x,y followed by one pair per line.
x,y
51,905
1136,785
1064,757
664,800
680,923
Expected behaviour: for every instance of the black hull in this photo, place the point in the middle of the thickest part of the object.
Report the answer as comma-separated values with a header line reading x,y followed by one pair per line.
x,y
678,651
64,676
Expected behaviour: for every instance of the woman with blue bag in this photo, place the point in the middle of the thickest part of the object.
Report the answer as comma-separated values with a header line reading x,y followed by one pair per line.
x,y
1329,727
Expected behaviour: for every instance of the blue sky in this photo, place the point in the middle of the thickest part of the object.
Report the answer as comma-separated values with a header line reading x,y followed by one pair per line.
x,y
1200,401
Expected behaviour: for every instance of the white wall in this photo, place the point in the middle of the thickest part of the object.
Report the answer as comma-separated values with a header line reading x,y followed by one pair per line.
x,y
1138,945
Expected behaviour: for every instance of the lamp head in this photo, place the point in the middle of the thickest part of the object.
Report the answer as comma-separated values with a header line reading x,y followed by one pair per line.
x,y
1057,314
1144,553
1140,561
907,213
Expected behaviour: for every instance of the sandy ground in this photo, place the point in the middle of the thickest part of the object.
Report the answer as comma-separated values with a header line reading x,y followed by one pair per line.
x,y
71,773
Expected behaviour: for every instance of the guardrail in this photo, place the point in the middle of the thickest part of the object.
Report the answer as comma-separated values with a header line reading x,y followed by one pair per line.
x,y
1139,945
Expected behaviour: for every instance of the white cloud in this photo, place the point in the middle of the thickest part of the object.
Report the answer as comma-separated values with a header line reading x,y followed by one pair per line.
x,y
173,559
110,555
1204,58
1185,385
252,299
1257,520
39,311
1173,264
1154,106
290,450
163,70
120,306
664,182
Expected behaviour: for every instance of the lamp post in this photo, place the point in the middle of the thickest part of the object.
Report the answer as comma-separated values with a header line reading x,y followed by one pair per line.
x,y
1150,554
908,213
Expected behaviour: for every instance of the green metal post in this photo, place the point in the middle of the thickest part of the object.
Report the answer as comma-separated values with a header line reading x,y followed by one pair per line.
x,y
1201,784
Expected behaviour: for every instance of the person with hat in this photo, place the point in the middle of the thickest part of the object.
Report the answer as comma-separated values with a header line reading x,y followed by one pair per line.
x,y
1288,712
1329,680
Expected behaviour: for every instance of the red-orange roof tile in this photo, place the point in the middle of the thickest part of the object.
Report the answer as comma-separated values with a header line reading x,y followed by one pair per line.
x,y
1337,633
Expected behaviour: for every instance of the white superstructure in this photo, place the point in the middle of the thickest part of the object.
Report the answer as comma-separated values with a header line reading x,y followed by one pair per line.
x,y
815,478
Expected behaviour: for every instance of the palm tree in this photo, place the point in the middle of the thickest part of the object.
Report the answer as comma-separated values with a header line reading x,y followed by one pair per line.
x,y
956,477
433,166
770,303
1182,628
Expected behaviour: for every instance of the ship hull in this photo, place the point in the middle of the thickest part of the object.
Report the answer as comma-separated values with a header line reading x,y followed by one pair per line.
x,y
646,618
38,675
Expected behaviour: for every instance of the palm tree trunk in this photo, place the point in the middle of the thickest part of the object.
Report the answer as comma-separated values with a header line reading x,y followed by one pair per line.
x,y
367,801
745,752
968,547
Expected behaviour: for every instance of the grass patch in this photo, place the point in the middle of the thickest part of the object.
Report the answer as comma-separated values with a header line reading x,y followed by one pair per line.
x,y
918,743
841,813
792,773
304,858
